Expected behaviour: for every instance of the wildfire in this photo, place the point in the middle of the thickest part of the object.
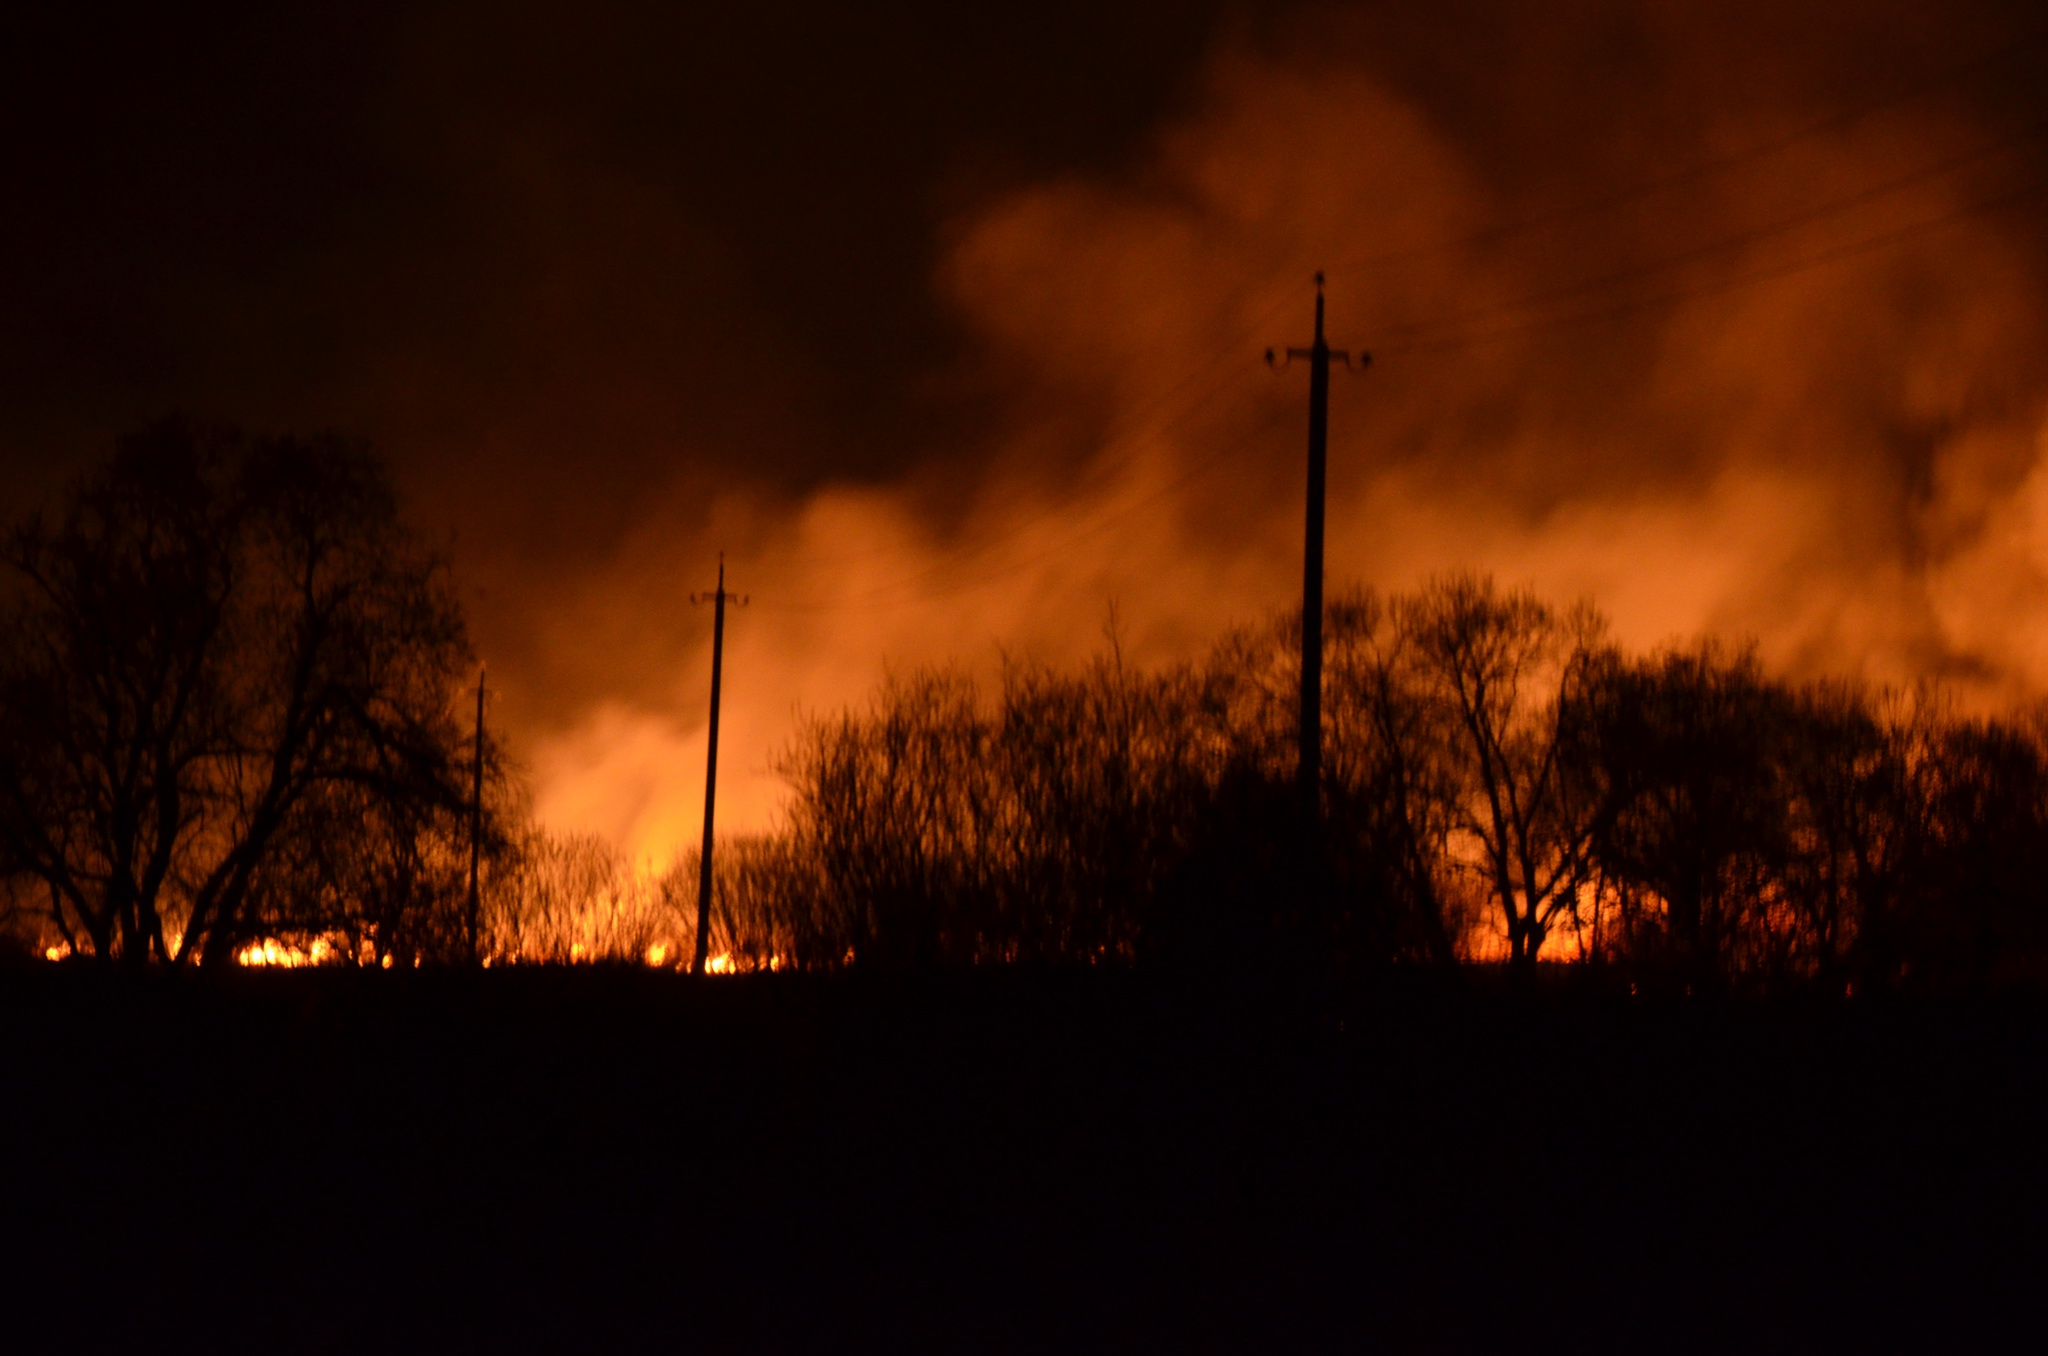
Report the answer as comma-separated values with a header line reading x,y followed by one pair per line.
x,y
271,953
286,957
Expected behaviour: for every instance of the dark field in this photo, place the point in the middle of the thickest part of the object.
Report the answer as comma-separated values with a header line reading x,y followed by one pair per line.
x,y
1007,1160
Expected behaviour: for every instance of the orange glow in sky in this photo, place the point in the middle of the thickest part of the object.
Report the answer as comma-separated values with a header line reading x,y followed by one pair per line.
x,y
1795,398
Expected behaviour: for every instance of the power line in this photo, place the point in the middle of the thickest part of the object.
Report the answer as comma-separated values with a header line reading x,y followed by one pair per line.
x,y
1782,226
1705,168
906,591
1819,259
1162,414
1424,339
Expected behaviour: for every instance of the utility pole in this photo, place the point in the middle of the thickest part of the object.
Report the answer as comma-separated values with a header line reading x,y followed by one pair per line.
x,y
472,916
1308,768
718,598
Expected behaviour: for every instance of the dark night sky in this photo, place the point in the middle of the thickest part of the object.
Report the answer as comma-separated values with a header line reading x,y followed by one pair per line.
x,y
584,272
553,259
264,212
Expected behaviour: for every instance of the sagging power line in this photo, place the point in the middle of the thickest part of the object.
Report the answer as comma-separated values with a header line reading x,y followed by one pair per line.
x,y
1712,166
1430,342
948,578
1735,241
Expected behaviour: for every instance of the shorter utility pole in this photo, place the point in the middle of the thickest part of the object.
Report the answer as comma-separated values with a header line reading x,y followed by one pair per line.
x,y
718,598
473,915
1308,768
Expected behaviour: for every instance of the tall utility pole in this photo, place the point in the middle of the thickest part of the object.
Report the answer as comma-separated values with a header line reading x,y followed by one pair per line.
x,y
718,598
1308,768
472,916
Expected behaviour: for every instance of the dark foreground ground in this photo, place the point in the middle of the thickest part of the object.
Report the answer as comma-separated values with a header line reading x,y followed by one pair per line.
x,y
1006,1161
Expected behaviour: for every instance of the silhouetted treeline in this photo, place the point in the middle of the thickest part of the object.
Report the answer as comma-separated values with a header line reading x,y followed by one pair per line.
x,y
227,716
232,723
1501,784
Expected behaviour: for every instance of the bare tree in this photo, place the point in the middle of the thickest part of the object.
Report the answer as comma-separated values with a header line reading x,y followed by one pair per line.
x,y
220,648
1920,840
1391,785
1685,754
945,825
1509,668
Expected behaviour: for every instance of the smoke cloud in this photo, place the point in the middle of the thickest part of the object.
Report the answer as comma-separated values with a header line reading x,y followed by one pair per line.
x,y
1766,363
946,325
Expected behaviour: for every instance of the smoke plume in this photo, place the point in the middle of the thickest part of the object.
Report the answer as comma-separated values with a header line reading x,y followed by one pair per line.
x,y
1726,339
